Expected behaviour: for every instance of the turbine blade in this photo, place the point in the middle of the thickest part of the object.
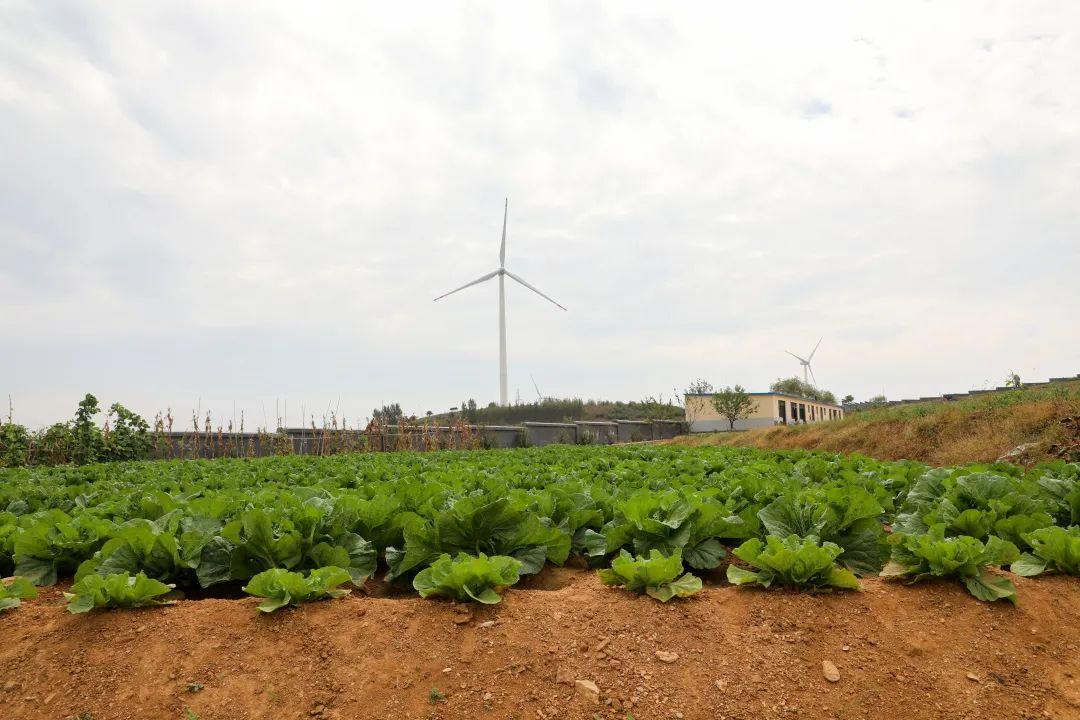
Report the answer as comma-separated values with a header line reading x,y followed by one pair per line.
x,y
502,248
811,374
815,348
794,356
477,281
515,277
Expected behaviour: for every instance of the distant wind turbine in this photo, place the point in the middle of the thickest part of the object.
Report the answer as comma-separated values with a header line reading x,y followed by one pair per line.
x,y
805,362
502,273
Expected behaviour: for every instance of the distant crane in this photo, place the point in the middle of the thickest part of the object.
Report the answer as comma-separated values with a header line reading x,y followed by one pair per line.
x,y
536,387
805,362
502,273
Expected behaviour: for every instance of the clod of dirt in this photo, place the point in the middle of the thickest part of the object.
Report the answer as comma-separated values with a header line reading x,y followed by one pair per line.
x,y
830,671
973,677
564,676
666,657
587,689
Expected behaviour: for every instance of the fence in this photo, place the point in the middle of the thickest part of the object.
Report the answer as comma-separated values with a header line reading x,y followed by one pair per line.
x,y
331,441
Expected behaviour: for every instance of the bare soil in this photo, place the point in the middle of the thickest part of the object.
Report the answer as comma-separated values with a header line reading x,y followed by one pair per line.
x,y
907,652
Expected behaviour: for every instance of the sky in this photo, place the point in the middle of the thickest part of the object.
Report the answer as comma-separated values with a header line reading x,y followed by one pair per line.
x,y
236,207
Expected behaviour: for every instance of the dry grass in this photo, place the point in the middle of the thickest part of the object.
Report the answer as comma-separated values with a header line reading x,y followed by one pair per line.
x,y
978,429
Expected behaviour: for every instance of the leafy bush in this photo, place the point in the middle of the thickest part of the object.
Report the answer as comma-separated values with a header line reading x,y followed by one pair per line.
x,y
791,561
467,577
282,588
657,576
116,591
13,593
14,444
1053,549
934,554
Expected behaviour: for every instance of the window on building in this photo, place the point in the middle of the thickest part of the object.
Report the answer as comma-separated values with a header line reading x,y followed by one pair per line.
x,y
782,407
802,412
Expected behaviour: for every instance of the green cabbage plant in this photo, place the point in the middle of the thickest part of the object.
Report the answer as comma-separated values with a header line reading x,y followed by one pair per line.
x,y
931,554
1053,549
468,577
658,575
281,588
12,594
792,561
119,590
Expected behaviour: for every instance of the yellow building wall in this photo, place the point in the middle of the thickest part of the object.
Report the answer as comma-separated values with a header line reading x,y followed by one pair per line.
x,y
702,416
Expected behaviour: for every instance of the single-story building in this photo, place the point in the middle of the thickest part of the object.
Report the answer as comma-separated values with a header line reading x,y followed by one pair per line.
x,y
770,408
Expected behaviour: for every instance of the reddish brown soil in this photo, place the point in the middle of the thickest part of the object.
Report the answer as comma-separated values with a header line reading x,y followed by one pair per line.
x,y
905,652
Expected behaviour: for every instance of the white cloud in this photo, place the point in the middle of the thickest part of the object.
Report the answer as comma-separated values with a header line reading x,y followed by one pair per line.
x,y
242,203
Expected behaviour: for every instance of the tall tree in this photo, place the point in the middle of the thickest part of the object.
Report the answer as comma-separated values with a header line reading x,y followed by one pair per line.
x,y
734,404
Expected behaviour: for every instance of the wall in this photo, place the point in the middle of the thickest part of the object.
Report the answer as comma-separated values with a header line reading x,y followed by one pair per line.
x,y
306,441
703,417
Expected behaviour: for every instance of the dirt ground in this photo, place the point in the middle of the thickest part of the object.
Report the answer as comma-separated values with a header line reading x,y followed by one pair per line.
x,y
910,652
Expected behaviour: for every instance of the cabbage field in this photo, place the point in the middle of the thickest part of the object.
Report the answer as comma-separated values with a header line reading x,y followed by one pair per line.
x,y
466,525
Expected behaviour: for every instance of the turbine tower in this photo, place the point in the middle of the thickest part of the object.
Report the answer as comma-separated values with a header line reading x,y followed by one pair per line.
x,y
805,362
502,273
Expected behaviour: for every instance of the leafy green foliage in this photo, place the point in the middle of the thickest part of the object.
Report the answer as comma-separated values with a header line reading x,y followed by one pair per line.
x,y
934,554
282,588
799,388
206,522
846,516
792,561
733,403
13,593
1053,549
467,577
115,591
658,576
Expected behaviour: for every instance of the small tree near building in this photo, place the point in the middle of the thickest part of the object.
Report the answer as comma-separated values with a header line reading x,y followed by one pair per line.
x,y
733,404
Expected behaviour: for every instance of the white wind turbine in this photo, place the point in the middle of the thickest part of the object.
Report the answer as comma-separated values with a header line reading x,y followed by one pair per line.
x,y
805,362
502,272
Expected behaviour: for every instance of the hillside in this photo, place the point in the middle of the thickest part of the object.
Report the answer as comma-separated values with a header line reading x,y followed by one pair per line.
x,y
984,428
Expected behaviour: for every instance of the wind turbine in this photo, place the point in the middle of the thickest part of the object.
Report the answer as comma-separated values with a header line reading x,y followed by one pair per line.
x,y
502,273
805,362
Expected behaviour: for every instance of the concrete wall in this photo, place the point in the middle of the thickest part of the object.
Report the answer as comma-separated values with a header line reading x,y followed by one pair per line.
x,y
601,433
305,441
540,433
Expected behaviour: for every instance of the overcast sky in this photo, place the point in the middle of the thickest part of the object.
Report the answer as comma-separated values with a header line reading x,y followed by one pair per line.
x,y
209,204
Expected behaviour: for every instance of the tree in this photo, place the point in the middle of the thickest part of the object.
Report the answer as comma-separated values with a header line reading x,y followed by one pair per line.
x,y
701,386
733,404
88,440
877,400
799,388
848,399
388,414
129,438
1012,380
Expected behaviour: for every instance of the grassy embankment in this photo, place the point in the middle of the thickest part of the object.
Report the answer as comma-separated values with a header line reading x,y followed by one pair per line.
x,y
981,428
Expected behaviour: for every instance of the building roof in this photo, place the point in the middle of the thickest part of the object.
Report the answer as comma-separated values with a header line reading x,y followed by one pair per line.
x,y
777,394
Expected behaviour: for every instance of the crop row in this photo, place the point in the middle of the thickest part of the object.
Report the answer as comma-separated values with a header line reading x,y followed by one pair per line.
x,y
465,523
